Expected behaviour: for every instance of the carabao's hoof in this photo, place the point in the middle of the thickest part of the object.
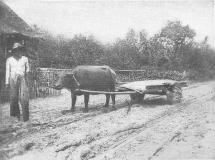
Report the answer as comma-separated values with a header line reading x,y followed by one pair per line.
x,y
113,108
106,106
105,110
85,110
66,111
72,110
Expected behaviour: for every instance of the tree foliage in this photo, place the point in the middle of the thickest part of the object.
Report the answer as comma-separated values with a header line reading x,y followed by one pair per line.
x,y
173,48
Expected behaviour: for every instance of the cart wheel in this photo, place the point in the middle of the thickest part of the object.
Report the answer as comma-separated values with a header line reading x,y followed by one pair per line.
x,y
137,98
174,95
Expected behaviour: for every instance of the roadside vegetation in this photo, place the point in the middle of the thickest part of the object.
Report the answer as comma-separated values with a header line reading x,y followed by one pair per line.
x,y
172,49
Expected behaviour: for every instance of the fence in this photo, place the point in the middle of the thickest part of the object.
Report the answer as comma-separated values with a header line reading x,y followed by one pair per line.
x,y
46,78
5,95
40,83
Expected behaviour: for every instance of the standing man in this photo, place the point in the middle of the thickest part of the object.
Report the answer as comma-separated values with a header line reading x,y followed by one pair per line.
x,y
17,68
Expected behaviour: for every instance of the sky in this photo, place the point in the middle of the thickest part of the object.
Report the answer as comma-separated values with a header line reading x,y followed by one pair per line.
x,y
111,19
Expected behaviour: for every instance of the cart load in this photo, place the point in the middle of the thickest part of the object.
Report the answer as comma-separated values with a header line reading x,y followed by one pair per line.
x,y
172,89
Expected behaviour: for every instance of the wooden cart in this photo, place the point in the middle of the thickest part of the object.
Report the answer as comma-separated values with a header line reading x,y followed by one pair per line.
x,y
138,89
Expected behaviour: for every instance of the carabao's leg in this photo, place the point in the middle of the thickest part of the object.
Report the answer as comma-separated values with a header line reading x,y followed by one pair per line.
x,y
86,100
107,100
74,97
24,99
14,99
113,96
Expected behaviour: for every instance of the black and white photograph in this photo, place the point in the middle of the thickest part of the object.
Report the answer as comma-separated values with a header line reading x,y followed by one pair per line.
x,y
107,79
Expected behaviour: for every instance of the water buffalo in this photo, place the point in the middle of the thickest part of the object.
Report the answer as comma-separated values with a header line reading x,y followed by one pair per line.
x,y
95,78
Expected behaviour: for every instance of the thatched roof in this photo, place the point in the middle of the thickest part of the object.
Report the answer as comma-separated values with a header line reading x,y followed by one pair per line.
x,y
11,23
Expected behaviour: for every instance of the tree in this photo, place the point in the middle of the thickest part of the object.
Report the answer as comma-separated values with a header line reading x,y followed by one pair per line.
x,y
131,37
143,48
178,34
181,38
85,50
159,51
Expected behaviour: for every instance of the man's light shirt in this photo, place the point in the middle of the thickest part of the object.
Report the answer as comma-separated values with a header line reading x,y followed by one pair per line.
x,y
15,68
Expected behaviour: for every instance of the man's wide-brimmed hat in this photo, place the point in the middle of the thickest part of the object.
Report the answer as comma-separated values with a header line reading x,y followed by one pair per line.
x,y
16,46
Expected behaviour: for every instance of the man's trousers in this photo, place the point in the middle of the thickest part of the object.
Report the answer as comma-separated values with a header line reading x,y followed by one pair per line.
x,y
19,92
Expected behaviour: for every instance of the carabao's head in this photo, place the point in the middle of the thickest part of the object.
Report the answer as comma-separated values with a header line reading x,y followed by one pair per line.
x,y
65,80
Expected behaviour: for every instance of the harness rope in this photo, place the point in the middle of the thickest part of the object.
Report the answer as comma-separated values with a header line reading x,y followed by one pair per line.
x,y
76,81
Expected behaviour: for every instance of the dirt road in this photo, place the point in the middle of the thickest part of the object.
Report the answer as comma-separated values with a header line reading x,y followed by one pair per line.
x,y
152,130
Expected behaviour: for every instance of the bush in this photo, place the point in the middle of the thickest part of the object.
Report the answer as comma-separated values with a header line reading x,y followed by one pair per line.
x,y
148,75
